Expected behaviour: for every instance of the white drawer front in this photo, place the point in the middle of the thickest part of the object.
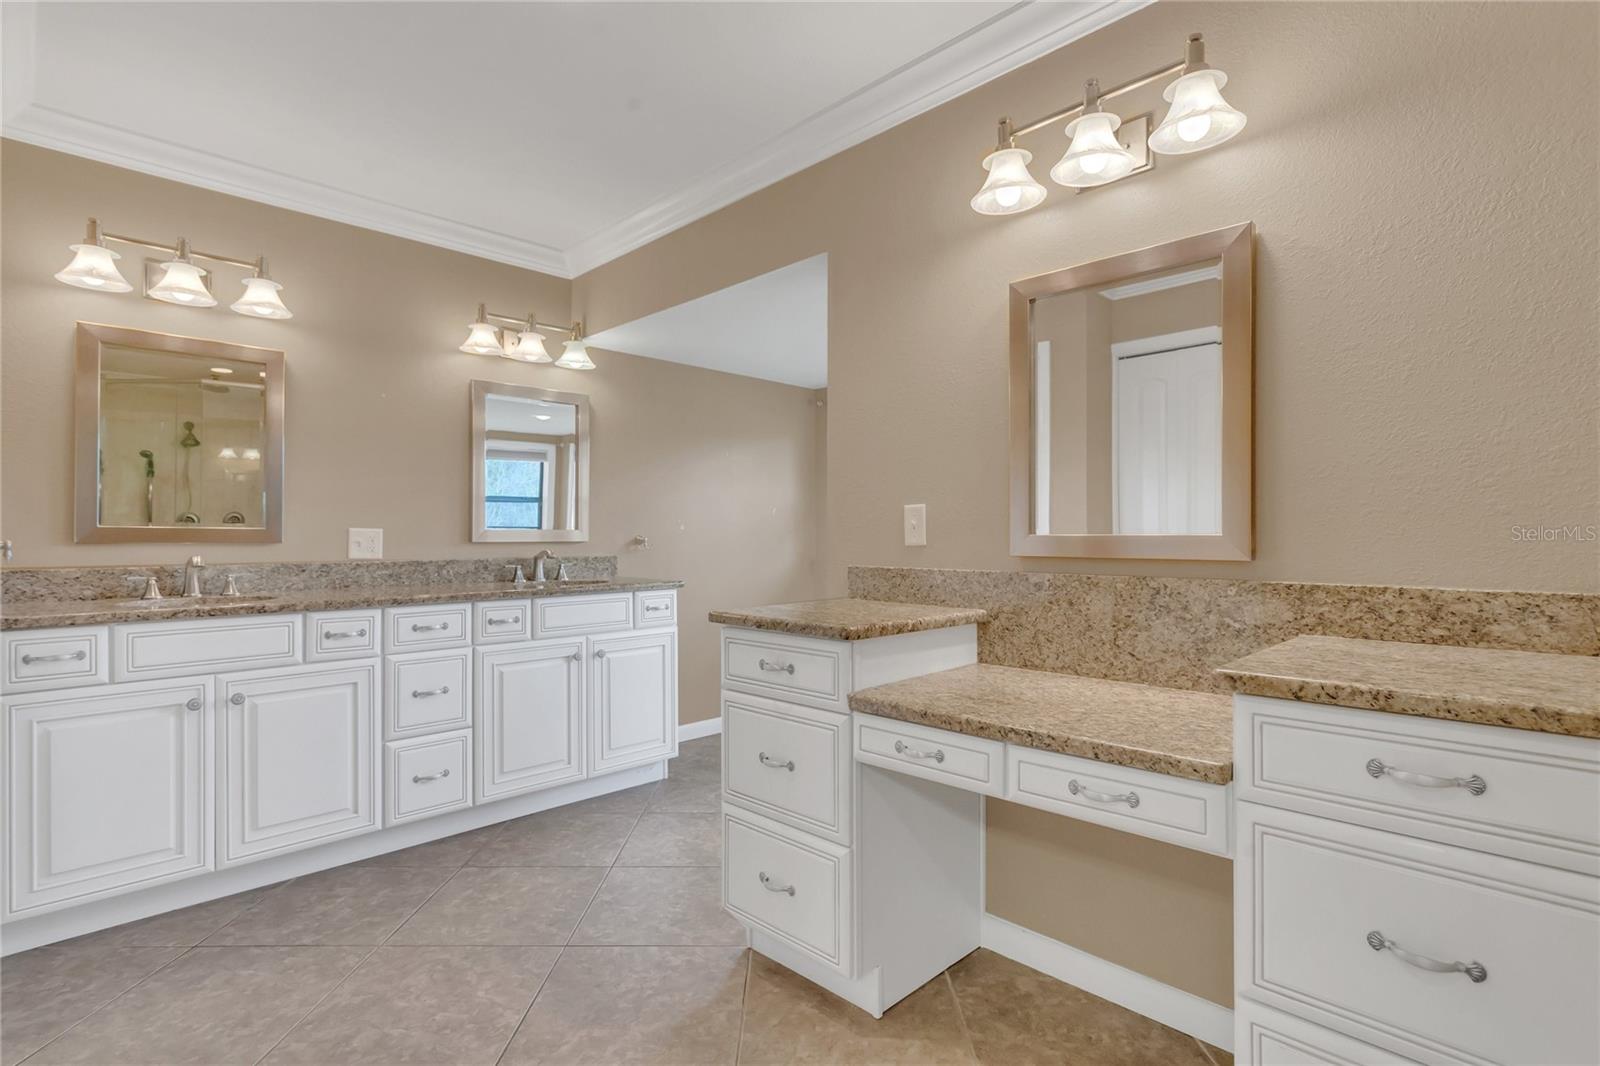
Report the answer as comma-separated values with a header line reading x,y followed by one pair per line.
x,y
658,607
56,658
1192,814
791,885
343,634
789,762
425,692
427,776
1528,795
972,763
1266,1037
420,628
502,622
814,671
565,616
212,645
1335,908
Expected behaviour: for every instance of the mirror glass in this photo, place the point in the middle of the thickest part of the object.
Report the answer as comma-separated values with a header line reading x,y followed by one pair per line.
x,y
178,438
1127,392
530,463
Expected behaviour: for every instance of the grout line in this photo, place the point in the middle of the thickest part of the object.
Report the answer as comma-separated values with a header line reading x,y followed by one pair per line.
x,y
961,1015
515,1029
108,1002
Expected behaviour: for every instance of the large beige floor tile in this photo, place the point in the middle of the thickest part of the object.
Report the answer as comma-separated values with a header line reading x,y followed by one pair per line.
x,y
213,1005
506,905
674,838
181,928
647,1005
562,837
789,1019
1018,1015
449,853
345,905
422,1004
660,906
44,991
696,791
625,801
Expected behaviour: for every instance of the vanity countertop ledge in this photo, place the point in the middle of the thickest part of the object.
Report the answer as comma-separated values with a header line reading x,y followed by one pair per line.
x,y
46,614
849,619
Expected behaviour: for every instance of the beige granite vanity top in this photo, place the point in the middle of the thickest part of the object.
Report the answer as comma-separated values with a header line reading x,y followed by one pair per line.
x,y
44,614
1163,730
849,619
1519,689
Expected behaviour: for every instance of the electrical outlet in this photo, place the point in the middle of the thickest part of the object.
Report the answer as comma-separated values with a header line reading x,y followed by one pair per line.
x,y
366,544
916,525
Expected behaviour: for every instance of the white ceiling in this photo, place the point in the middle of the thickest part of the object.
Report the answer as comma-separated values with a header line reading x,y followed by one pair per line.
x,y
774,326
554,136
519,414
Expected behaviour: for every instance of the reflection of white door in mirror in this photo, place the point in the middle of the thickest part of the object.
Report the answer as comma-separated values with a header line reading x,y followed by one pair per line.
x,y
1167,454
530,465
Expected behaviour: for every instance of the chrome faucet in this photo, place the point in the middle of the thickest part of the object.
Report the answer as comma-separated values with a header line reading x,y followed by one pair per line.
x,y
191,576
539,561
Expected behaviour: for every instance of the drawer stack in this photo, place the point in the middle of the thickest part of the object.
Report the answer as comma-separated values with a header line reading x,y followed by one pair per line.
x,y
427,704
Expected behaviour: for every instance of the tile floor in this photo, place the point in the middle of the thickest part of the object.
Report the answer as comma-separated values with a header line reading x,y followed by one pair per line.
x,y
592,933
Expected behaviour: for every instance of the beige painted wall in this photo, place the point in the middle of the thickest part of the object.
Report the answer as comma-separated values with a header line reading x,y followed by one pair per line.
x,y
704,464
1427,266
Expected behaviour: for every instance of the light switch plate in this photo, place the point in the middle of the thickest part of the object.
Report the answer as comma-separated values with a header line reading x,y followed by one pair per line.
x,y
916,525
366,543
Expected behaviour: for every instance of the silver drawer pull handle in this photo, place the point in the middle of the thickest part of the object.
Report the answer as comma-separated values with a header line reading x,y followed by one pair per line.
x,y
1475,971
344,634
515,619
652,608
767,760
1130,798
418,779
1475,785
772,886
61,657
418,628
901,748
776,668
424,693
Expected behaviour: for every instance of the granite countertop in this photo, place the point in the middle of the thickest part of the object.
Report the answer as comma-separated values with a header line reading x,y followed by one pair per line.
x,y
1163,730
44,614
849,619
1519,689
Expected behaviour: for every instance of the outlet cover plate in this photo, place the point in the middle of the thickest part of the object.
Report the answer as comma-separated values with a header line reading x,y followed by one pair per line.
x,y
916,525
366,543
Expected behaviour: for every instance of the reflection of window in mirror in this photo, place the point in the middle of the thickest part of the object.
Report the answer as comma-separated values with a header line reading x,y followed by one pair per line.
x,y
530,465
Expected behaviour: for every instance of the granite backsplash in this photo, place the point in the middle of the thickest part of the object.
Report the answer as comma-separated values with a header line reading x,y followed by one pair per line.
x,y
1176,631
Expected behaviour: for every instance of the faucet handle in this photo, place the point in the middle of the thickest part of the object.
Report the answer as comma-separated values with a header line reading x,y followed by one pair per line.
x,y
195,560
231,586
561,571
152,590
517,576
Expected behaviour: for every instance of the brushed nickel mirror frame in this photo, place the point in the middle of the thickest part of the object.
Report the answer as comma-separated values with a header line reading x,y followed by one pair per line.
x,y
481,390
1235,247
91,338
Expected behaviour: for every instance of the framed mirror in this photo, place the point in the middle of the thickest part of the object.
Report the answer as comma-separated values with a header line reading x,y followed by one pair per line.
x,y
1131,424
177,439
530,463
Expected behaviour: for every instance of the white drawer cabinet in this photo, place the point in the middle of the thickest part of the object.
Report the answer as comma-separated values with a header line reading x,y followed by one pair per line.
x,y
570,616
426,692
633,699
789,762
427,627
297,758
37,659
791,885
529,717
502,621
427,776
108,790
142,650
1269,1037
813,672
655,607
343,634
971,763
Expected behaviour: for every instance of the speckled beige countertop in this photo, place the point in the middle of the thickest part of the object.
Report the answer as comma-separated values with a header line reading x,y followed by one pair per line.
x,y
1519,689
848,619
1163,730
44,614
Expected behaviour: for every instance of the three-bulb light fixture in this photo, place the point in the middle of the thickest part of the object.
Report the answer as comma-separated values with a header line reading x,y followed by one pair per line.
x,y
523,340
1198,119
180,281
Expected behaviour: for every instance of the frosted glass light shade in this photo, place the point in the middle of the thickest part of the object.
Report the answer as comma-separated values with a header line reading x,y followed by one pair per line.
x,y
181,283
483,340
1199,117
261,299
94,267
529,348
575,356
1095,155
1009,189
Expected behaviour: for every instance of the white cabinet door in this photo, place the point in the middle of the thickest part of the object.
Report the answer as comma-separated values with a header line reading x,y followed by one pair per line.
x,y
529,717
108,791
633,715
297,749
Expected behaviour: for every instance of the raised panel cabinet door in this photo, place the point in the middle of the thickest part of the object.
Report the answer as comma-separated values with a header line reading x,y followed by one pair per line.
x,y
634,700
108,791
529,718
298,750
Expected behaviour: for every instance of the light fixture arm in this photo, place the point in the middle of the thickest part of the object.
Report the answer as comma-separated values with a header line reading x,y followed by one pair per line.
x,y
95,235
526,322
1194,54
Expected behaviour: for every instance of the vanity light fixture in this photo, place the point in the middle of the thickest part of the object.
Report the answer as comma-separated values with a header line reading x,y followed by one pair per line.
x,y
575,353
1198,119
521,339
180,280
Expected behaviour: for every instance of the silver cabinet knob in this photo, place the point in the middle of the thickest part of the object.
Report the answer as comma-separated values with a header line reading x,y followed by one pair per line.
x,y
1476,972
237,699
194,704
576,656
1130,797
599,653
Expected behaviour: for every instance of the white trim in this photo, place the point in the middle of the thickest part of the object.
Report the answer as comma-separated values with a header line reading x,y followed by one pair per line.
x,y
1166,342
706,727
1181,1010
1166,281
1016,35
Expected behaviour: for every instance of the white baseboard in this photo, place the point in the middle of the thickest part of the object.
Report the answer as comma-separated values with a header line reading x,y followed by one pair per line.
x,y
707,727
1181,1010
